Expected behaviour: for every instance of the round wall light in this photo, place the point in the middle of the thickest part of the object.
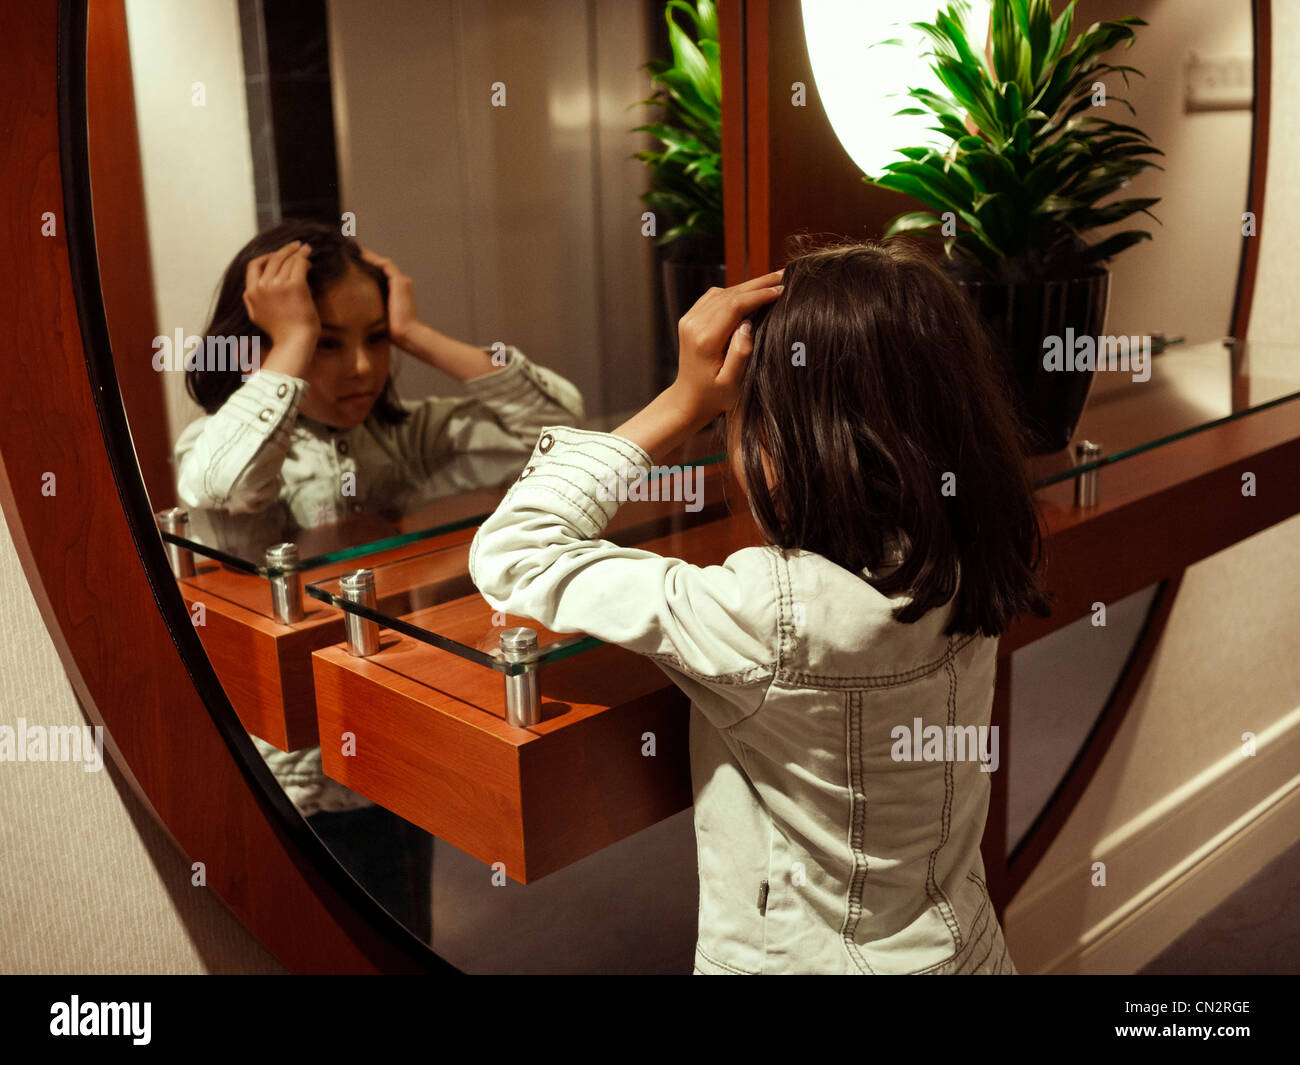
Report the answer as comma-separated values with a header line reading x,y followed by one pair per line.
x,y
862,82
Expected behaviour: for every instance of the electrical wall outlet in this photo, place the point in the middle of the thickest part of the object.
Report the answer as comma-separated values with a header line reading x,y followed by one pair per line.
x,y
1223,83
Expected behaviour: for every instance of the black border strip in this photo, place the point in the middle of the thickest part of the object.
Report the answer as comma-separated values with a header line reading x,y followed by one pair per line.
x,y
288,824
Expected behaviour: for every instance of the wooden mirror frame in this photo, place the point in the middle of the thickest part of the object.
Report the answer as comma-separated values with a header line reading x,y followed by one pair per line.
x,y
97,568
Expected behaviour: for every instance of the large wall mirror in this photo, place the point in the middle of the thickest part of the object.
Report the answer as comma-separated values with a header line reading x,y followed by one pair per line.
x,y
488,150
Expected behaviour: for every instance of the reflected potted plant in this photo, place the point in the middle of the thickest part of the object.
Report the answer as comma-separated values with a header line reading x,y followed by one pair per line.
x,y
686,169
1016,186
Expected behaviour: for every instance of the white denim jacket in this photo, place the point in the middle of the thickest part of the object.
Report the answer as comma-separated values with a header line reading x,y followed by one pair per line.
x,y
818,851
257,450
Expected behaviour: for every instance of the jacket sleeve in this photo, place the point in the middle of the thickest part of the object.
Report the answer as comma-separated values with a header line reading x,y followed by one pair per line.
x,y
502,413
231,460
712,629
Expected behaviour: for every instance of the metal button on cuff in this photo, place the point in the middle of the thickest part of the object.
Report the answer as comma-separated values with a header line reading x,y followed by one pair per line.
x,y
281,391
544,445
526,473
266,415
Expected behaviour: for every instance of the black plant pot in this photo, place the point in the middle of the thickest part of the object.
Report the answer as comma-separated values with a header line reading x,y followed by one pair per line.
x,y
1020,318
684,283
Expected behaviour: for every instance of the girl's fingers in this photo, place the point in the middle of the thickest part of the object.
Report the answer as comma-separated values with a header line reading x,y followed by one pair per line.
x,y
752,299
254,272
740,348
263,266
739,300
745,288
271,266
713,321
287,265
296,272
284,262
725,317
766,281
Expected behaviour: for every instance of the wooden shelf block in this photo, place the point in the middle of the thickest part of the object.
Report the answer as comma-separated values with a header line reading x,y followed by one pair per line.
x,y
534,799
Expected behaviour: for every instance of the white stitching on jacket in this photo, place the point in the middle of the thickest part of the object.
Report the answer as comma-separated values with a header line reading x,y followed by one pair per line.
x,y
794,679
945,825
857,829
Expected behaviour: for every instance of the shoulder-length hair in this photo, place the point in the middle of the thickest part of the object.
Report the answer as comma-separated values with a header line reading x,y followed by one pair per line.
x,y
874,390
332,256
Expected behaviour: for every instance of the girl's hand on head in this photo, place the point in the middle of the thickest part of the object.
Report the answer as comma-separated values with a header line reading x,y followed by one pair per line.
x,y
402,318
712,349
277,297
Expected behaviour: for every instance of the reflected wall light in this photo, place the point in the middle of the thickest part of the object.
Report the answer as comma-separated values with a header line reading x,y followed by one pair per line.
x,y
862,86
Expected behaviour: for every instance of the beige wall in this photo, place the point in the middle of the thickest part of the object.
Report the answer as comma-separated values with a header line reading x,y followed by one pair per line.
x,y
518,223
90,882
1175,790
196,161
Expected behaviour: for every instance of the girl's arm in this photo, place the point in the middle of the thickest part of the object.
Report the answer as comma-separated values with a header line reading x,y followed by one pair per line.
x,y
500,417
511,399
453,357
712,628
539,555
714,343
231,460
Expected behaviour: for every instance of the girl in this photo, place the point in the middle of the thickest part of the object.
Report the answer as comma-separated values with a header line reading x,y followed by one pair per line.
x,y
319,430
867,422
323,407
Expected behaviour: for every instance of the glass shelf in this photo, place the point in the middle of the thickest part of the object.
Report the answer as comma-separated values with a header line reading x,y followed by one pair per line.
x,y
429,597
241,541
1191,388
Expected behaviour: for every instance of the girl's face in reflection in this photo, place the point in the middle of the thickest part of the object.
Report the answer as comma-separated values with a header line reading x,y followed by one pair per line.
x,y
350,366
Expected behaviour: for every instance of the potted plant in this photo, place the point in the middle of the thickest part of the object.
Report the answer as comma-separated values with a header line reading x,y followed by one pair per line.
x,y
686,170
1016,185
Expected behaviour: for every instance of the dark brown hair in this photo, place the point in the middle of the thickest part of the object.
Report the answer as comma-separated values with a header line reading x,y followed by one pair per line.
x,y
899,388
332,256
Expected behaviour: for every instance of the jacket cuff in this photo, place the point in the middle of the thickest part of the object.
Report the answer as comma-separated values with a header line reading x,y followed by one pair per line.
x,y
577,473
270,399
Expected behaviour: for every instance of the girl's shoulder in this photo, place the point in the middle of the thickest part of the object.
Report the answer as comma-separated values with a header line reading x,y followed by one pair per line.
x,y
842,627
